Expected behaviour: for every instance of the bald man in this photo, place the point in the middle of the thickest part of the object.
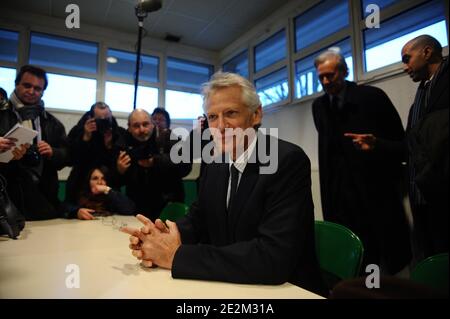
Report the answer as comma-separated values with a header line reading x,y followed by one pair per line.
x,y
427,144
145,166
427,138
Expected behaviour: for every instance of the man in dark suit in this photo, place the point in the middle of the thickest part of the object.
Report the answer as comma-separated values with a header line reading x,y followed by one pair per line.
x,y
251,223
361,190
427,143
428,134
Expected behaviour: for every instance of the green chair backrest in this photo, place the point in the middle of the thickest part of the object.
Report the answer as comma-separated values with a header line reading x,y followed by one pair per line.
x,y
338,250
433,272
173,211
62,191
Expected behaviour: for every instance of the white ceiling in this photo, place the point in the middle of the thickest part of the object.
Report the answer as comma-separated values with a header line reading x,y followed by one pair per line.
x,y
207,24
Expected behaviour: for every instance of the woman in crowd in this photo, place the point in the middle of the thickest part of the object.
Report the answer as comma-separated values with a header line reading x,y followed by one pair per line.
x,y
98,199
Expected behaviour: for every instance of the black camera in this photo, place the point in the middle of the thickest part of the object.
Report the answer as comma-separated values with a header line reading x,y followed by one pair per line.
x,y
32,157
103,125
140,152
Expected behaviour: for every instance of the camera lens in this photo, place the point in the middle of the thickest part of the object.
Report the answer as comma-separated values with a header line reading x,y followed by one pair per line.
x,y
32,156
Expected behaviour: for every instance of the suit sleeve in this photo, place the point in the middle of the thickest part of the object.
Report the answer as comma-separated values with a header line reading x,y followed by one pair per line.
x,y
271,256
390,133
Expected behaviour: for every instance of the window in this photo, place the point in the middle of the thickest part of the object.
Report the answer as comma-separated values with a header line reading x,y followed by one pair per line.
x,y
120,97
380,3
9,42
388,40
306,80
270,51
238,64
184,80
183,105
69,92
69,54
125,66
190,75
7,77
273,87
319,22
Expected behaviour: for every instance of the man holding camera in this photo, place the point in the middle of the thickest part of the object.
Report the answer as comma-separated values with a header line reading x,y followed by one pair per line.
x,y
144,165
32,174
94,142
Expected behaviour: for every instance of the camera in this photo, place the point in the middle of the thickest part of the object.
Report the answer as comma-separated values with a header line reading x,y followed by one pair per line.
x,y
103,125
140,152
32,157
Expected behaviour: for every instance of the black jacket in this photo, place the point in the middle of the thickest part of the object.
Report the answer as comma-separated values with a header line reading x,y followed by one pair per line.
x,y
429,159
37,198
88,155
152,188
428,142
267,237
115,203
361,190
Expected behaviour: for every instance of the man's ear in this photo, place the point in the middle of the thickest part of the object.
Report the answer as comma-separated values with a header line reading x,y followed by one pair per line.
x,y
427,52
257,116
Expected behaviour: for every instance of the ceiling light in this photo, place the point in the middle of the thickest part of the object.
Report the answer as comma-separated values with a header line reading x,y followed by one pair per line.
x,y
111,59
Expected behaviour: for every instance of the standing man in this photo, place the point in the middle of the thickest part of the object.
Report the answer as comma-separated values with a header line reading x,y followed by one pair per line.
x,y
427,137
33,180
427,142
361,190
248,225
172,183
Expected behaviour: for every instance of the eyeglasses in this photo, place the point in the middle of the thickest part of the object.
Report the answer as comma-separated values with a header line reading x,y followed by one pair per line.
x,y
112,221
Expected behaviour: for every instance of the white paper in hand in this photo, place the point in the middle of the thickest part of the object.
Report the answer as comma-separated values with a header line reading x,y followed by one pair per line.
x,y
23,135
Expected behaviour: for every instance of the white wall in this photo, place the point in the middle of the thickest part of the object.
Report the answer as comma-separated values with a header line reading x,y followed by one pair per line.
x,y
295,123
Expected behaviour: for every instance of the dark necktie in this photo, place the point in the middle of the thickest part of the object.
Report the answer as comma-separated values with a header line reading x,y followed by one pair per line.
x,y
335,103
234,185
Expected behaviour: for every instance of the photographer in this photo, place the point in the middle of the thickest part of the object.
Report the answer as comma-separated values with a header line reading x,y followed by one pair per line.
x,y
145,164
95,141
172,183
3,97
32,175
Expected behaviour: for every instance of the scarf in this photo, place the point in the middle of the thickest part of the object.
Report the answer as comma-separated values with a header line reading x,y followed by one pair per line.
x,y
29,115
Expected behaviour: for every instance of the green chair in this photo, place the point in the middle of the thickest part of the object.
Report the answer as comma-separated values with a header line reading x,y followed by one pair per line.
x,y
339,251
173,211
433,272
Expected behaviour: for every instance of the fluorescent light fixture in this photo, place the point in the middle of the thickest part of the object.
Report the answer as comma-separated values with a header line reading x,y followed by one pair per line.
x,y
111,59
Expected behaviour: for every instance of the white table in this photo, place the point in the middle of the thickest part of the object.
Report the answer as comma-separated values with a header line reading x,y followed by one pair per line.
x,y
34,266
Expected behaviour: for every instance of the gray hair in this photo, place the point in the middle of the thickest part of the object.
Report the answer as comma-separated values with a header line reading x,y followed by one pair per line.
x,y
330,54
226,79
138,110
